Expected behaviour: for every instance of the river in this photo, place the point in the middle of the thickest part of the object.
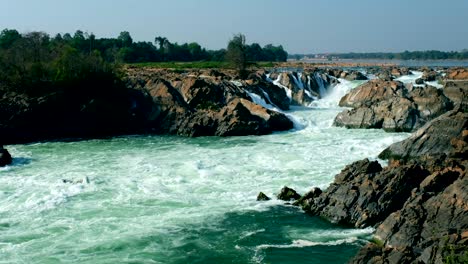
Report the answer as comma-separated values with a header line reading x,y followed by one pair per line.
x,y
166,199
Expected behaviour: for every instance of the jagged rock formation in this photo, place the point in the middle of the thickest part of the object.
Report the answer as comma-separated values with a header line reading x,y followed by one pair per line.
x,y
392,106
418,204
5,157
188,103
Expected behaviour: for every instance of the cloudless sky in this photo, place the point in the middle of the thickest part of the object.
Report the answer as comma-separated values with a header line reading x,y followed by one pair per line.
x,y
301,26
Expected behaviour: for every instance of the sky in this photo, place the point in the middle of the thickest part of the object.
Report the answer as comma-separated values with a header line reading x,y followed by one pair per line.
x,y
301,26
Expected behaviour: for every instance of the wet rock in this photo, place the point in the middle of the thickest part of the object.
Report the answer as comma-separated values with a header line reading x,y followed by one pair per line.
x,y
288,194
263,197
5,157
419,81
308,197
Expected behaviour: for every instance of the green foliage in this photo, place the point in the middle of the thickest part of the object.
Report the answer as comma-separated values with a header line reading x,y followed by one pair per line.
x,y
454,254
34,64
236,53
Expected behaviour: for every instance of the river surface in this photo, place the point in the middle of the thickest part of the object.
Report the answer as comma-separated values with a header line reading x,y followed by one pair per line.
x,y
164,199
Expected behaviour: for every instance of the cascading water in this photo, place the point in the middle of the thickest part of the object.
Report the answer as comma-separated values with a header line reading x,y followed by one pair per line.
x,y
160,199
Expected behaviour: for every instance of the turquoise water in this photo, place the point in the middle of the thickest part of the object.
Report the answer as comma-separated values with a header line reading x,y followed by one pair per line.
x,y
161,199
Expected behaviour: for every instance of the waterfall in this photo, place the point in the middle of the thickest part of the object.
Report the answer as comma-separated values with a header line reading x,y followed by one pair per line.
x,y
334,94
321,84
277,82
298,80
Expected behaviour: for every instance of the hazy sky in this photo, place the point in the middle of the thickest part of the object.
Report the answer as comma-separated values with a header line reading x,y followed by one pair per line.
x,y
301,26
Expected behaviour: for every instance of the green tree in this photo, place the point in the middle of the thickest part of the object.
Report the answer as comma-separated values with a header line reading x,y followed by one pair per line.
x,y
125,39
236,53
8,37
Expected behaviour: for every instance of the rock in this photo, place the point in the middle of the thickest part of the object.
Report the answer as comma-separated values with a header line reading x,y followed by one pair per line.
x,y
429,76
433,138
372,92
431,102
391,106
242,117
457,92
457,74
262,197
419,81
353,76
5,157
306,198
288,194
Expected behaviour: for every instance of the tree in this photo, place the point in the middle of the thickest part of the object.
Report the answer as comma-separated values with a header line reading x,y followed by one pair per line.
x,y
125,39
8,37
236,53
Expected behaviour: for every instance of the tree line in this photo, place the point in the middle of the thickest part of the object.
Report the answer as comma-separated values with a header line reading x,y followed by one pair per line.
x,y
123,49
35,61
406,55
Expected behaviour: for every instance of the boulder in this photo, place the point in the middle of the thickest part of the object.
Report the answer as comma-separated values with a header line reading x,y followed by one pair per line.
x,y
430,101
433,138
457,92
419,81
429,76
392,106
242,117
288,194
263,197
372,92
5,157
457,74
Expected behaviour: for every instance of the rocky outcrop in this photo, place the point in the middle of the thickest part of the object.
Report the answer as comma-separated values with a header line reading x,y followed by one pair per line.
x,y
457,92
5,157
433,138
418,203
457,74
392,106
288,194
209,104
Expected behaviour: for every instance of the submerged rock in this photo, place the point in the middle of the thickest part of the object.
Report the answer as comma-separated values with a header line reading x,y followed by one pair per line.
x,y
5,157
263,197
288,194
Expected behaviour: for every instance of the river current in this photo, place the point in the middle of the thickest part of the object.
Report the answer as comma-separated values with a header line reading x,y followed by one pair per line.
x,y
165,199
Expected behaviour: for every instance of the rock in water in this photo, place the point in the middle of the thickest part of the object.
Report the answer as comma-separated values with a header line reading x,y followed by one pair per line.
x,y
288,194
262,197
391,106
5,157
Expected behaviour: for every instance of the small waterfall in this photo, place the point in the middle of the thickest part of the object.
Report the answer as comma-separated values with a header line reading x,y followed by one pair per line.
x,y
260,101
257,99
277,82
321,84
332,98
298,80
